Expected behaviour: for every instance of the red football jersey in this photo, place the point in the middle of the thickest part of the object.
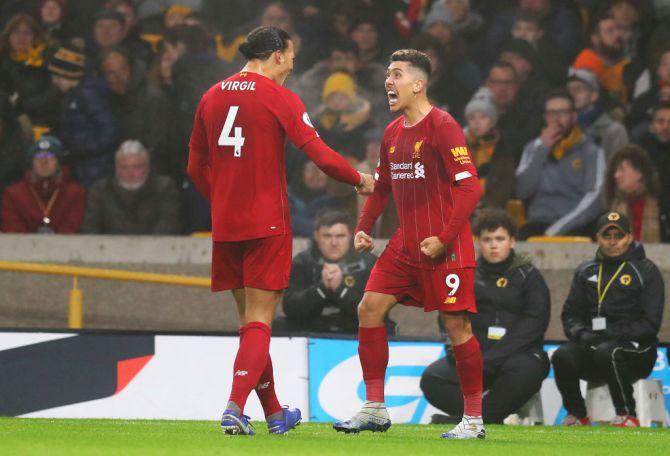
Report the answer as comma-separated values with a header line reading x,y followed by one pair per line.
x,y
239,134
420,165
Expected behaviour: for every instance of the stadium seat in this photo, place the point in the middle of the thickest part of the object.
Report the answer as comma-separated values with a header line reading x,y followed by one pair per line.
x,y
201,234
515,208
560,239
649,400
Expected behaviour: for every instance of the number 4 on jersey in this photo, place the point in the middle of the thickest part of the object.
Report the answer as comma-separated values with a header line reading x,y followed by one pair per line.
x,y
225,139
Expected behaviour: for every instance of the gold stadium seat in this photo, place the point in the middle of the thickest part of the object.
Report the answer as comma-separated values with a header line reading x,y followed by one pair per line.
x,y
560,239
517,211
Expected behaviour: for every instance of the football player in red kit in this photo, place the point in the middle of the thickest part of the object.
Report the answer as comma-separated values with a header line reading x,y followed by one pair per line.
x,y
236,160
430,260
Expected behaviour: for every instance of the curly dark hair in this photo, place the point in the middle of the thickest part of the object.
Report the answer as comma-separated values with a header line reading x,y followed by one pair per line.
x,y
492,218
638,159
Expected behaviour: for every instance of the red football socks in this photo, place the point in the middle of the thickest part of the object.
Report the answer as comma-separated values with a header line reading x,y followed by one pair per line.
x,y
469,367
266,391
373,351
250,362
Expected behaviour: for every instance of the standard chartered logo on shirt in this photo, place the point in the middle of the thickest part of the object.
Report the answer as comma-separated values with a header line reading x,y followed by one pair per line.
x,y
408,170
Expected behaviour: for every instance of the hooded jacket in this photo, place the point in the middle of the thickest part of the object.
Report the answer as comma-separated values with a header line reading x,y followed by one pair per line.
x,y
632,306
512,295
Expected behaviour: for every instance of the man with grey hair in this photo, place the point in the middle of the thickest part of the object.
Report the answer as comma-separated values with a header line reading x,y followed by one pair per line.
x,y
134,200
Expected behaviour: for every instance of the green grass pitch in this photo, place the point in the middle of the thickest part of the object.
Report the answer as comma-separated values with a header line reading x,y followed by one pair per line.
x,y
143,437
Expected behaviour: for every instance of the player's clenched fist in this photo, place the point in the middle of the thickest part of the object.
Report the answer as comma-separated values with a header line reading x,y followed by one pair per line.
x,y
363,242
432,247
367,185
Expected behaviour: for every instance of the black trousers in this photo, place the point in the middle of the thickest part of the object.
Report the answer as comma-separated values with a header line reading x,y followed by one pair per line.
x,y
505,390
619,364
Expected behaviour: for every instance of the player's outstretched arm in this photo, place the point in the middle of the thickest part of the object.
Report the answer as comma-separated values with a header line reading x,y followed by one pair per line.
x,y
333,164
367,185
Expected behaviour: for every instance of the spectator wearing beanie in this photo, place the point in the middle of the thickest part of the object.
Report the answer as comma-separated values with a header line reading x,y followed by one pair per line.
x,y
597,123
343,116
495,167
86,125
46,200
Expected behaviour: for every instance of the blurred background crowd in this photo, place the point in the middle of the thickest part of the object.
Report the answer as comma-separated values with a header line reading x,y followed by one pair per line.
x,y
565,105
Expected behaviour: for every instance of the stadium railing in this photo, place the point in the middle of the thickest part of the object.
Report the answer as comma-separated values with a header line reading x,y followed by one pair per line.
x,y
76,296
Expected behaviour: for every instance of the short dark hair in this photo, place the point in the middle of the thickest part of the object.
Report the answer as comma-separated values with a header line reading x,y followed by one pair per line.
x,y
195,37
502,65
662,106
597,20
415,58
343,45
491,218
263,41
329,217
528,16
561,94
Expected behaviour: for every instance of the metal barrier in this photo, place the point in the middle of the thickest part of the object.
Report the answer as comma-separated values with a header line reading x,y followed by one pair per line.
x,y
76,298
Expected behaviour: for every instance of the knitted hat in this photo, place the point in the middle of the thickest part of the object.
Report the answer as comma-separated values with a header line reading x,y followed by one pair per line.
x,y
68,62
339,82
588,77
438,14
482,104
46,143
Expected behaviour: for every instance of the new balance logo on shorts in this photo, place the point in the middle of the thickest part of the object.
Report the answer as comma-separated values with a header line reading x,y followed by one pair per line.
x,y
262,386
241,373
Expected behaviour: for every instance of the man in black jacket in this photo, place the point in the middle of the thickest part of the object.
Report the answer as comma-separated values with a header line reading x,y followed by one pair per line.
x,y
327,280
611,318
513,306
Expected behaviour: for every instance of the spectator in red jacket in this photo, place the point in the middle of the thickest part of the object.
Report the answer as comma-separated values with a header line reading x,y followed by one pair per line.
x,y
46,200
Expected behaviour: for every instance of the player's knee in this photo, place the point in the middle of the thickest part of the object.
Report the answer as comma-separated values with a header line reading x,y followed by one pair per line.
x,y
456,324
370,313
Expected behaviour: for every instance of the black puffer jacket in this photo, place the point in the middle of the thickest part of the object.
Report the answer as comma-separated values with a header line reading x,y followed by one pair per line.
x,y
307,300
512,295
633,305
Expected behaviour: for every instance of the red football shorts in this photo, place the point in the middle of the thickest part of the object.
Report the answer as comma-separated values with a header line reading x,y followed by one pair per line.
x,y
448,290
263,263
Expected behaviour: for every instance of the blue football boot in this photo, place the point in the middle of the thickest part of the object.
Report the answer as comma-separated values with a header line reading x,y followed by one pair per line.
x,y
292,418
372,417
235,424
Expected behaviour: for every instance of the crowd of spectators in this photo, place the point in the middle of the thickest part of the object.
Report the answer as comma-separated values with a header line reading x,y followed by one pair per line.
x,y
565,104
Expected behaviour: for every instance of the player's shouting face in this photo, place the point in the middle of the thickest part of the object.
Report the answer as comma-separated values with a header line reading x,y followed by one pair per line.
x,y
403,83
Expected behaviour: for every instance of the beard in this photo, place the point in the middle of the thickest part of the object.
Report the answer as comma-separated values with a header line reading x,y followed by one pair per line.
x,y
611,52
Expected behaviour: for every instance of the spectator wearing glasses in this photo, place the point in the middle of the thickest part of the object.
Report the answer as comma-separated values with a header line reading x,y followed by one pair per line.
x,y
560,174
